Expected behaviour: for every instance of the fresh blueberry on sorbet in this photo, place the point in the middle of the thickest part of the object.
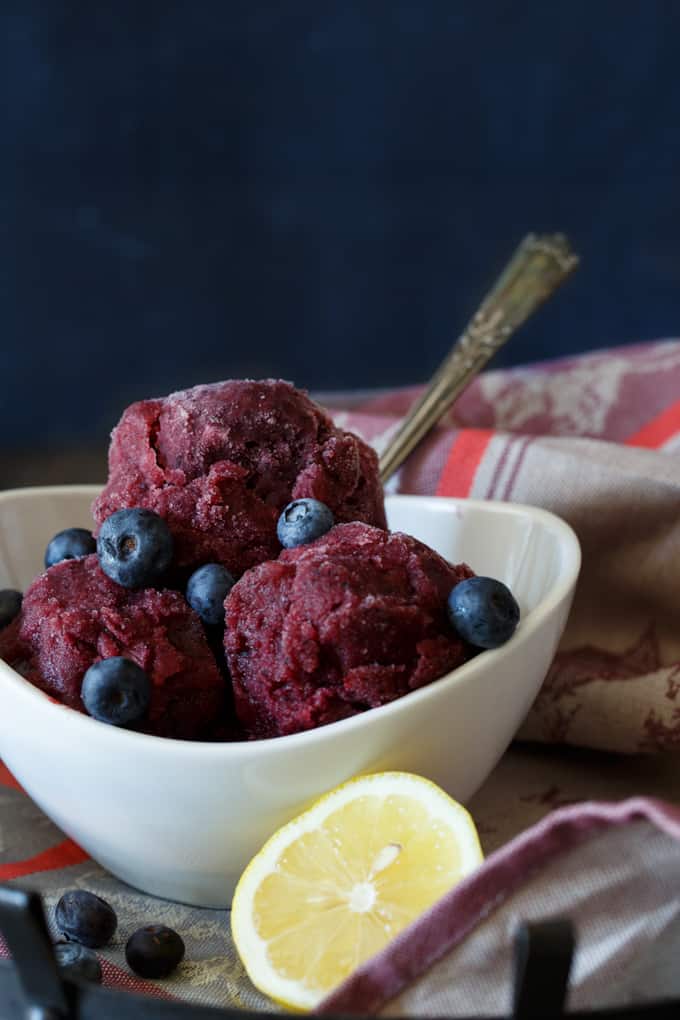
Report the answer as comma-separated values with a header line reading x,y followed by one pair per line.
x,y
77,963
116,691
135,547
483,611
207,589
85,918
10,606
154,951
303,521
70,544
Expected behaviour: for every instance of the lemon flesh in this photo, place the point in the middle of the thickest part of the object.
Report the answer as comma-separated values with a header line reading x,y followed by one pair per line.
x,y
334,886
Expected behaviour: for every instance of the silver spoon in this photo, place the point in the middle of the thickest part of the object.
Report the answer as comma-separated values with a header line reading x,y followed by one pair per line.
x,y
540,264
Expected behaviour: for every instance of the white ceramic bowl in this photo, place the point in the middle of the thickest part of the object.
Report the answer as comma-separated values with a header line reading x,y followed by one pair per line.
x,y
181,819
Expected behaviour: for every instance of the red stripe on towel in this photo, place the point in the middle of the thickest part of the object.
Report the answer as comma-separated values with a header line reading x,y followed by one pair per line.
x,y
464,459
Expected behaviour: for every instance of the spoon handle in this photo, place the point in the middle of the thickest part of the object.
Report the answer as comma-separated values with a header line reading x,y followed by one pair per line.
x,y
540,264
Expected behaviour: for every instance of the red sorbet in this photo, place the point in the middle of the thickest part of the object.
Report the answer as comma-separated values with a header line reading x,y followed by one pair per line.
x,y
349,622
220,462
73,615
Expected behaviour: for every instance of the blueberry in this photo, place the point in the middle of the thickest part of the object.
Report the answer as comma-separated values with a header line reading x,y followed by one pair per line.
x,y
77,963
134,547
303,521
10,606
483,611
154,951
85,918
207,589
70,545
116,691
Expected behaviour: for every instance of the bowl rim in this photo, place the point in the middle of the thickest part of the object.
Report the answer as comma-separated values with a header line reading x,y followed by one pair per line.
x,y
307,739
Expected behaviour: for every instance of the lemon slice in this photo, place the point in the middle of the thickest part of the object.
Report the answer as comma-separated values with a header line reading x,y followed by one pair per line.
x,y
336,884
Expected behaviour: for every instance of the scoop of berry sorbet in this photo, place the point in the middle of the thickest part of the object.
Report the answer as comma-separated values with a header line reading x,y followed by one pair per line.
x,y
220,462
73,615
349,622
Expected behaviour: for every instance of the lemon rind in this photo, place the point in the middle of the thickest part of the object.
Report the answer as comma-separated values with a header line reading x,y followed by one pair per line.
x,y
253,949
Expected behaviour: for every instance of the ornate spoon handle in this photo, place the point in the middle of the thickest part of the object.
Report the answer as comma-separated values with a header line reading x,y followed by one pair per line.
x,y
540,264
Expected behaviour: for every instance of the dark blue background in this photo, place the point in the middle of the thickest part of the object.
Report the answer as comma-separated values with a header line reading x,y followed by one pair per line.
x,y
320,190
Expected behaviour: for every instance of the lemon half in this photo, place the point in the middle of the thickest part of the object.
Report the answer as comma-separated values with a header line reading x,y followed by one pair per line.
x,y
335,885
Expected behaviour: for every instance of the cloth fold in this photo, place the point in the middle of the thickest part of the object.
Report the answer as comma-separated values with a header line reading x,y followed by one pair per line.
x,y
612,869
596,440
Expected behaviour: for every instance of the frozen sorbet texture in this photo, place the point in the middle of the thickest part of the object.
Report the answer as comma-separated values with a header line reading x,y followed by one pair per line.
x,y
220,462
73,615
327,630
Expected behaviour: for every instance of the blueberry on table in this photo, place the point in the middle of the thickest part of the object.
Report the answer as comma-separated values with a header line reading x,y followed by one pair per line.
x,y
77,963
134,547
85,918
303,521
10,606
483,611
207,589
116,691
70,544
154,951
